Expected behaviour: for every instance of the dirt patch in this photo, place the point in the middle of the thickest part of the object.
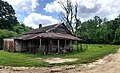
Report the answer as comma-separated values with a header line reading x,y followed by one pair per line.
x,y
60,60
38,58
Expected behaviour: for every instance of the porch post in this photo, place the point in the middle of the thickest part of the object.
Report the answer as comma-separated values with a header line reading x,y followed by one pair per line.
x,y
51,45
40,44
58,46
77,46
71,45
4,44
65,43
30,46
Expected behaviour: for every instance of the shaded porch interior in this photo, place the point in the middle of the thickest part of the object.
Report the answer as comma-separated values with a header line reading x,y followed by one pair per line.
x,y
44,45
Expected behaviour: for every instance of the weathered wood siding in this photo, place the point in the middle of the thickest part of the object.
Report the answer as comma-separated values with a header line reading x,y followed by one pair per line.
x,y
18,45
61,29
9,45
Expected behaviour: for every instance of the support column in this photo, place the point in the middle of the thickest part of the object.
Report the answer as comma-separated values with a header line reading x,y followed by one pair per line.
x,y
77,46
30,45
4,44
58,46
81,49
40,44
50,46
71,45
65,43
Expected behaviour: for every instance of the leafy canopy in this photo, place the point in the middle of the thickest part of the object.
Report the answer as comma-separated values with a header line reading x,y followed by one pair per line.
x,y
7,16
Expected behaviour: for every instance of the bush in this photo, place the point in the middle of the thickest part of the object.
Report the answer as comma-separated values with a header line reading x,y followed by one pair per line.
x,y
5,34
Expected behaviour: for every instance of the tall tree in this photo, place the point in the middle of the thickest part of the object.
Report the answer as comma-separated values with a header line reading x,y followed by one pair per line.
x,y
70,15
7,16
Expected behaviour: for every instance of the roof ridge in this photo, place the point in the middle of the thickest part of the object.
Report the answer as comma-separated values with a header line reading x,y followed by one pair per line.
x,y
56,25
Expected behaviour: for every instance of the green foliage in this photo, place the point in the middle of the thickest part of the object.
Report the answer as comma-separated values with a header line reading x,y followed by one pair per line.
x,y
117,36
8,19
7,16
93,52
5,34
104,34
20,28
99,30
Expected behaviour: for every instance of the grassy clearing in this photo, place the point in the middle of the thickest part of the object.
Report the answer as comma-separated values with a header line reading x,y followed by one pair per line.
x,y
92,53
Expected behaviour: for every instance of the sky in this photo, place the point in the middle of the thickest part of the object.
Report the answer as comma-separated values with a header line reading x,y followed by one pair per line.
x,y
46,12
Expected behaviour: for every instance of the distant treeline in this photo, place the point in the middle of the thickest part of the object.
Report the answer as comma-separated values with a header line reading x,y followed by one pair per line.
x,y
100,31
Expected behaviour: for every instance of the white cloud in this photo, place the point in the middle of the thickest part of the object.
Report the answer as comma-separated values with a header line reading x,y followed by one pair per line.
x,y
53,7
89,8
23,6
56,7
34,19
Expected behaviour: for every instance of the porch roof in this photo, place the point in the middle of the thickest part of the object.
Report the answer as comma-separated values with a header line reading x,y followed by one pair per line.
x,y
48,35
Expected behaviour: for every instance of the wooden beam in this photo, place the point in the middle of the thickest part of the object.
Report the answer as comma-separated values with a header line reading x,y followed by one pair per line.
x,y
58,46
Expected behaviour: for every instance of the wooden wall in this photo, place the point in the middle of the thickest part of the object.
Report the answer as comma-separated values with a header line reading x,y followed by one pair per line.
x,y
18,45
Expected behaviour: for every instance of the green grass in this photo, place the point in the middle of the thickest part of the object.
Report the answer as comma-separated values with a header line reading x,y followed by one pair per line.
x,y
92,53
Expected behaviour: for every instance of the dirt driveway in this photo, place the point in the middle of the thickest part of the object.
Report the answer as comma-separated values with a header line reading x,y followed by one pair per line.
x,y
109,64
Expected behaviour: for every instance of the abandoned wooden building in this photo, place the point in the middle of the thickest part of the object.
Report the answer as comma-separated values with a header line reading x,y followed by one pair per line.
x,y
49,39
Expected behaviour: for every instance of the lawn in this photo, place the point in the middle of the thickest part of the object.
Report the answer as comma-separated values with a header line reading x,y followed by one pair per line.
x,y
92,52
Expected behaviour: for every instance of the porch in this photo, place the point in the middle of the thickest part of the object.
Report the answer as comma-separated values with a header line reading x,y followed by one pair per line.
x,y
45,45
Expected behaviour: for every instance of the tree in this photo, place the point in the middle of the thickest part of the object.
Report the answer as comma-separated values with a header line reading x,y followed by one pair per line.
x,y
117,36
104,34
7,16
70,15
5,34
20,28
96,31
97,20
88,28
77,27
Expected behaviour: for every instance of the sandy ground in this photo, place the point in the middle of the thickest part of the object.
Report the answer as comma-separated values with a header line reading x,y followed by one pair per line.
x,y
109,64
60,60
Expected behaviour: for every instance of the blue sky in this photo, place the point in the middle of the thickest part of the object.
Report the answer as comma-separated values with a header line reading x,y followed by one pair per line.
x,y
46,12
